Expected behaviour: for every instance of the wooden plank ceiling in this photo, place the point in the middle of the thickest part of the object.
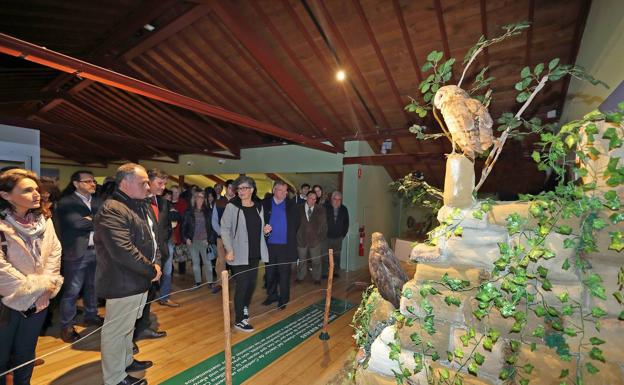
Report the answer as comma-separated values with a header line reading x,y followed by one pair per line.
x,y
274,61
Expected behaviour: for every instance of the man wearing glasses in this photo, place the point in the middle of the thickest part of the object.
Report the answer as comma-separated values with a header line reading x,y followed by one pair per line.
x,y
75,213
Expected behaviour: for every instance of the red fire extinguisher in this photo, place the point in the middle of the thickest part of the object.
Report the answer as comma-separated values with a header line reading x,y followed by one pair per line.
x,y
362,235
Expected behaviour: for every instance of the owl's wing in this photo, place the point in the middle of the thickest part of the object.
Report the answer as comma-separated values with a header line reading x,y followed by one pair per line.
x,y
483,125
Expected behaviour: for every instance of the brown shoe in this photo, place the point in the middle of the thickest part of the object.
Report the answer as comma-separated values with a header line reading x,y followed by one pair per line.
x,y
69,335
169,303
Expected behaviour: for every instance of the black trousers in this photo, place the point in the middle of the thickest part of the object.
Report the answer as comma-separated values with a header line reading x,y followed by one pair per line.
x,y
18,340
278,274
144,322
245,277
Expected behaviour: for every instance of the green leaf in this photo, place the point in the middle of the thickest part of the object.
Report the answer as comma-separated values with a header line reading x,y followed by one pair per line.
x,y
526,72
542,271
522,97
538,69
432,55
546,285
538,332
564,373
617,241
473,368
598,312
458,352
528,368
488,344
564,229
596,354
594,284
451,300
536,156
591,369
444,373
553,63
599,223
621,316
435,356
617,218
504,374
479,358
596,341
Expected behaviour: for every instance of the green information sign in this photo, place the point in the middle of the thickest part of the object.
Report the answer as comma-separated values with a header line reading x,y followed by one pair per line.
x,y
262,348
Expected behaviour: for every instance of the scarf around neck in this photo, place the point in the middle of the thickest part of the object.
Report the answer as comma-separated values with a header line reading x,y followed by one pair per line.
x,y
30,232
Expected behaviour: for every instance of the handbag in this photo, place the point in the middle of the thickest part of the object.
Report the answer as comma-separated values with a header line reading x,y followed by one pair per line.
x,y
180,253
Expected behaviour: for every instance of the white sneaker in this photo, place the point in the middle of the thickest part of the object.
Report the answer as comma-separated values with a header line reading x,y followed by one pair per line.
x,y
244,326
245,313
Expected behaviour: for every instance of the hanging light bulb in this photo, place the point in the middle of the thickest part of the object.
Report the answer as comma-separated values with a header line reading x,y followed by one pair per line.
x,y
341,75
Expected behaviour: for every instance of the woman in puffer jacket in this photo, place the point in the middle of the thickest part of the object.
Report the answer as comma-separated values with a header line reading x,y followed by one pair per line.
x,y
30,276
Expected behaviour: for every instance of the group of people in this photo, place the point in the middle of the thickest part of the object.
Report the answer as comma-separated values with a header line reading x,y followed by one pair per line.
x,y
118,245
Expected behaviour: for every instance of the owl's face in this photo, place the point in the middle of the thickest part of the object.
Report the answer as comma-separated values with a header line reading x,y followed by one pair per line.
x,y
446,94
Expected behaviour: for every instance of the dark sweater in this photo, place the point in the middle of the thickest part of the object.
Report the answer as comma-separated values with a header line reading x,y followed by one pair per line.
x,y
337,227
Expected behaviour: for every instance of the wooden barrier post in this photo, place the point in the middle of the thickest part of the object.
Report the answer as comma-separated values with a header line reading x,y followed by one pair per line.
x,y
330,279
225,286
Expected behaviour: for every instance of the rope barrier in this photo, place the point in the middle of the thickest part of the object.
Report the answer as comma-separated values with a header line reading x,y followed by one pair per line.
x,y
193,288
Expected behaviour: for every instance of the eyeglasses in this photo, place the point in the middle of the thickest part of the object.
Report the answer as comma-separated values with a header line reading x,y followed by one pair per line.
x,y
244,188
90,181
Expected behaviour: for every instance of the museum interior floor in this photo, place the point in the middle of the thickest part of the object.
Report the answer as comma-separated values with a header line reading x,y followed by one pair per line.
x,y
195,332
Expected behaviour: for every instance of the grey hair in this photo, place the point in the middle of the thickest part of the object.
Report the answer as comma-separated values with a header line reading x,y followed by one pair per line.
x,y
126,170
336,193
244,179
279,183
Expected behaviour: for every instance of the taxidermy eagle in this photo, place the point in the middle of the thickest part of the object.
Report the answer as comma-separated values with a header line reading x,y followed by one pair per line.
x,y
385,269
468,121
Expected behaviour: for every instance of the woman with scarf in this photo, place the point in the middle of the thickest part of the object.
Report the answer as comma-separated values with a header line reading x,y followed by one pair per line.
x,y
29,270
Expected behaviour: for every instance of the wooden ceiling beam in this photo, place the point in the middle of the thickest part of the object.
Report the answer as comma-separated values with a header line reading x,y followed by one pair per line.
x,y
351,62
380,58
355,111
437,5
62,129
18,48
484,30
215,178
293,57
407,40
192,15
223,139
583,14
261,52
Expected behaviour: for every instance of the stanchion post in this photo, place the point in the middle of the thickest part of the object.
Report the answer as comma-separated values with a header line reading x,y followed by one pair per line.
x,y
328,295
227,331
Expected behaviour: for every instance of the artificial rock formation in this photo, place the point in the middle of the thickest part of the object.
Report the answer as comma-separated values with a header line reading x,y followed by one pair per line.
x,y
470,257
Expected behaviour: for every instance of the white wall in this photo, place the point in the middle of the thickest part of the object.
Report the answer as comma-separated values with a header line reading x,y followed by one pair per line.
x,y
19,144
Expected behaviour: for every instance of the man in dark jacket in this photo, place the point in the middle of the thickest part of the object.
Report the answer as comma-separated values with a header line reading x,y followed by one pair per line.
x,y
127,255
337,229
74,216
311,236
282,214
159,209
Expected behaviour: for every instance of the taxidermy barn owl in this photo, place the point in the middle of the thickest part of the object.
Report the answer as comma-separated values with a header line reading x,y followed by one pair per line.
x,y
467,120
385,269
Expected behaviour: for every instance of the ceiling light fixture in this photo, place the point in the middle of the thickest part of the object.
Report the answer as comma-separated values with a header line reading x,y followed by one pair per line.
x,y
149,27
341,75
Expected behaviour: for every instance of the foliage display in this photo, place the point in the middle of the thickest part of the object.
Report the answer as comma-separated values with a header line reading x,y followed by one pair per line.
x,y
519,284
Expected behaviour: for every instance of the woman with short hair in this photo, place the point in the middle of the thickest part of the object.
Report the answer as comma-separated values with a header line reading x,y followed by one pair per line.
x,y
243,233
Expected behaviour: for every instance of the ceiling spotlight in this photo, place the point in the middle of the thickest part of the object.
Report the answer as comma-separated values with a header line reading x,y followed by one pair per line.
x,y
149,27
341,75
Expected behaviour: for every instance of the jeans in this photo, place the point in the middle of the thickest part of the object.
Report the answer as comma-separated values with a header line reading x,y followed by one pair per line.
x,y
79,275
200,249
19,340
167,269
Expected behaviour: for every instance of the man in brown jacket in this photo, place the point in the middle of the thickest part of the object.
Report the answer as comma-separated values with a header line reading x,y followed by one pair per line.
x,y
311,236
